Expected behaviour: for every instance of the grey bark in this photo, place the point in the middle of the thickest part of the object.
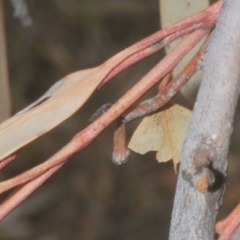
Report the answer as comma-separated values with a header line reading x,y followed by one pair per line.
x,y
236,235
204,157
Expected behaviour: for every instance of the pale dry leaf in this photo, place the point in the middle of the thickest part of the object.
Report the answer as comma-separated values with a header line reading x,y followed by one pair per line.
x,y
61,101
163,132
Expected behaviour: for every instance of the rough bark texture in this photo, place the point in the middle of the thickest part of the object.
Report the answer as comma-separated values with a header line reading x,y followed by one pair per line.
x,y
236,235
204,157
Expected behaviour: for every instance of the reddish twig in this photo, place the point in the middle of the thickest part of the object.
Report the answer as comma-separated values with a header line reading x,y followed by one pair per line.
x,y
22,192
33,178
228,226
86,136
7,160
205,19
155,47
127,57
168,91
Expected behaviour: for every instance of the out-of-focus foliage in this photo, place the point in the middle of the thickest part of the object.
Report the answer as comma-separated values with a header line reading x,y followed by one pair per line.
x,y
4,88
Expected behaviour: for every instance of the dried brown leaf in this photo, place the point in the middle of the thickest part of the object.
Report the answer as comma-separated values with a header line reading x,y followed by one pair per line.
x,y
163,132
61,101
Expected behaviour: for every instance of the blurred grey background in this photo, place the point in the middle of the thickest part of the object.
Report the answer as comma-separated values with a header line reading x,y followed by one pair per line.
x,y
90,198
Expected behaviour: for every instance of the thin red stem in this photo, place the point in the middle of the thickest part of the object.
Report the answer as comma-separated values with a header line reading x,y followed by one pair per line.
x,y
7,160
36,176
166,92
204,19
228,226
138,56
86,136
22,192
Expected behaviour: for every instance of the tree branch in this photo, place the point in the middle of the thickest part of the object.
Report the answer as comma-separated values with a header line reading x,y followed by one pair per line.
x,y
197,25
204,156
86,136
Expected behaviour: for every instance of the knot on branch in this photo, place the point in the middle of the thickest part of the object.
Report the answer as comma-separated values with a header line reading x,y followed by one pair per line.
x,y
204,177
